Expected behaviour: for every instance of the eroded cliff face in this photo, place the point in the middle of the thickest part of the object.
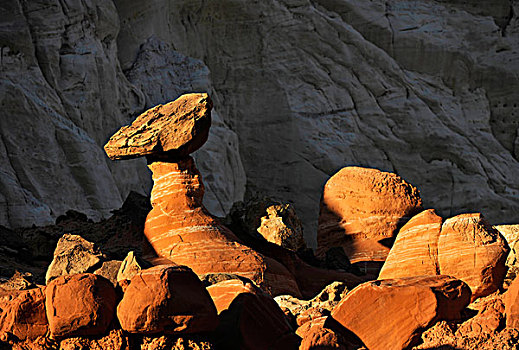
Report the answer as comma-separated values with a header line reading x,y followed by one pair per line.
x,y
63,93
426,89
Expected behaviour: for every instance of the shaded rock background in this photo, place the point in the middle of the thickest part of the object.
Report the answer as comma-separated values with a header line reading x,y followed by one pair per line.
x,y
426,89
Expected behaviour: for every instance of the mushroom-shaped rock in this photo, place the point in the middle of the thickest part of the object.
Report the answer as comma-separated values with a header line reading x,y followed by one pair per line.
x,y
22,314
249,318
81,304
465,246
361,210
169,299
175,129
404,307
180,229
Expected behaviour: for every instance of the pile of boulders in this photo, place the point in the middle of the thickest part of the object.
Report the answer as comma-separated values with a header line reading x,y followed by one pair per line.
x,y
420,279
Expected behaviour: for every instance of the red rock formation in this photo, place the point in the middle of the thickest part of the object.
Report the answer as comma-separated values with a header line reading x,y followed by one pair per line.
x,y
511,300
415,251
22,314
177,128
223,293
114,340
390,314
472,250
250,319
321,338
361,210
169,299
180,229
81,304
465,246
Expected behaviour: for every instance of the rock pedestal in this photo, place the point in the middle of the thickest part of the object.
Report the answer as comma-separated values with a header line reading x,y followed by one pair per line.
x,y
179,227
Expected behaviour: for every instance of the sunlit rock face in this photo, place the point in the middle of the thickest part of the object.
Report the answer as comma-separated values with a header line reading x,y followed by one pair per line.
x,y
426,89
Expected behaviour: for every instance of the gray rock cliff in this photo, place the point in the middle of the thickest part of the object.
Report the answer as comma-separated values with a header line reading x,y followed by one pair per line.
x,y
426,89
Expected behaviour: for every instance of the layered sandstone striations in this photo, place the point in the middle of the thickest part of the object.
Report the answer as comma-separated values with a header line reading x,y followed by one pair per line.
x,y
465,246
361,211
179,227
415,251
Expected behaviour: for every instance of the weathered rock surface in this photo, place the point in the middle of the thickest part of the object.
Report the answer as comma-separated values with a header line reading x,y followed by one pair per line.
x,y
18,281
406,306
484,330
180,229
109,270
169,299
308,310
413,100
82,304
321,338
114,340
62,93
73,255
373,85
511,301
250,319
472,250
465,246
223,293
361,211
22,315
129,267
511,234
282,227
177,128
415,251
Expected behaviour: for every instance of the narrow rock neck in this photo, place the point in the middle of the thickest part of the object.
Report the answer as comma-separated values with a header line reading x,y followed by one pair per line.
x,y
177,186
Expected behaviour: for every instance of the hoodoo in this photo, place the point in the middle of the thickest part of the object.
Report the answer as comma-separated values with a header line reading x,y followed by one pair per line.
x,y
179,227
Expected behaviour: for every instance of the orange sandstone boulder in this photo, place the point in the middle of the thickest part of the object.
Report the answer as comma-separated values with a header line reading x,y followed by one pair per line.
x,y
472,250
249,318
81,304
465,246
175,129
180,228
511,301
390,314
415,251
361,211
169,299
22,314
